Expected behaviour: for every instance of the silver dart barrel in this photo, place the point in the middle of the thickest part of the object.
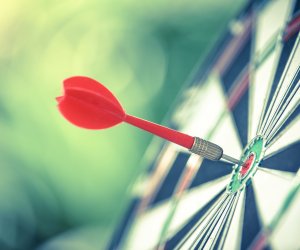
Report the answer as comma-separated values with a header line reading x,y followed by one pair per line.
x,y
209,150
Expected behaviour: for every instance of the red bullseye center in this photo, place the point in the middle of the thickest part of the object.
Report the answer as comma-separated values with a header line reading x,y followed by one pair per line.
x,y
247,165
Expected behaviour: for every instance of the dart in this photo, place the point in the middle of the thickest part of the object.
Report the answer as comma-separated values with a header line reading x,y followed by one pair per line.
x,y
86,103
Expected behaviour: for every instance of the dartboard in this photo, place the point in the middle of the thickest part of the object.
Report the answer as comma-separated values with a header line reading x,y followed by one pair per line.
x,y
244,98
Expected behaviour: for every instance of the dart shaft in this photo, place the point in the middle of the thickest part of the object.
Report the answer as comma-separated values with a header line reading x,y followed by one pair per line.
x,y
196,145
174,136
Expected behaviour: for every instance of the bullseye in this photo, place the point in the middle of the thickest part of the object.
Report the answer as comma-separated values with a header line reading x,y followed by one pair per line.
x,y
246,169
247,165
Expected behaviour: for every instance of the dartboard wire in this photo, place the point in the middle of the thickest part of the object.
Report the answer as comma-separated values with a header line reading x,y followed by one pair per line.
x,y
229,222
258,58
217,204
221,222
274,43
282,122
273,128
192,167
210,224
271,142
269,137
202,240
269,171
264,127
225,225
266,51
265,116
262,239
212,221
284,102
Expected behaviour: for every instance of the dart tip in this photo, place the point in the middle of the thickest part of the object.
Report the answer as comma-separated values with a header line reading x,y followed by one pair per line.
x,y
230,159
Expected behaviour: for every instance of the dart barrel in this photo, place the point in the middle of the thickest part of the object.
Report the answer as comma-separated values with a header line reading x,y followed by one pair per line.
x,y
206,149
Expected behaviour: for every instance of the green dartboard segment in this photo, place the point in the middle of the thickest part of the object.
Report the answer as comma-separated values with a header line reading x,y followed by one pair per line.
x,y
245,170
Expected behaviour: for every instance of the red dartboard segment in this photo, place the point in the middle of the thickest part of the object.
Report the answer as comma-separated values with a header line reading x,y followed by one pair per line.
x,y
247,164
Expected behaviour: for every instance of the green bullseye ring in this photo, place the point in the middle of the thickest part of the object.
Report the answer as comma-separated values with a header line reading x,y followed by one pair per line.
x,y
245,170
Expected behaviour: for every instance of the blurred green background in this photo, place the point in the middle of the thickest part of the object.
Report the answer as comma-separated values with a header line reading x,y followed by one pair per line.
x,y
55,177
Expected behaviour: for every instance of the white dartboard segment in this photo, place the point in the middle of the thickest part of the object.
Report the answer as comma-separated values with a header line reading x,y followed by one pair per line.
x,y
287,137
270,189
152,220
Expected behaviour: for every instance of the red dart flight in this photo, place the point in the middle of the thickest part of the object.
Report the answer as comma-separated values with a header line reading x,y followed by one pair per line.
x,y
88,104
